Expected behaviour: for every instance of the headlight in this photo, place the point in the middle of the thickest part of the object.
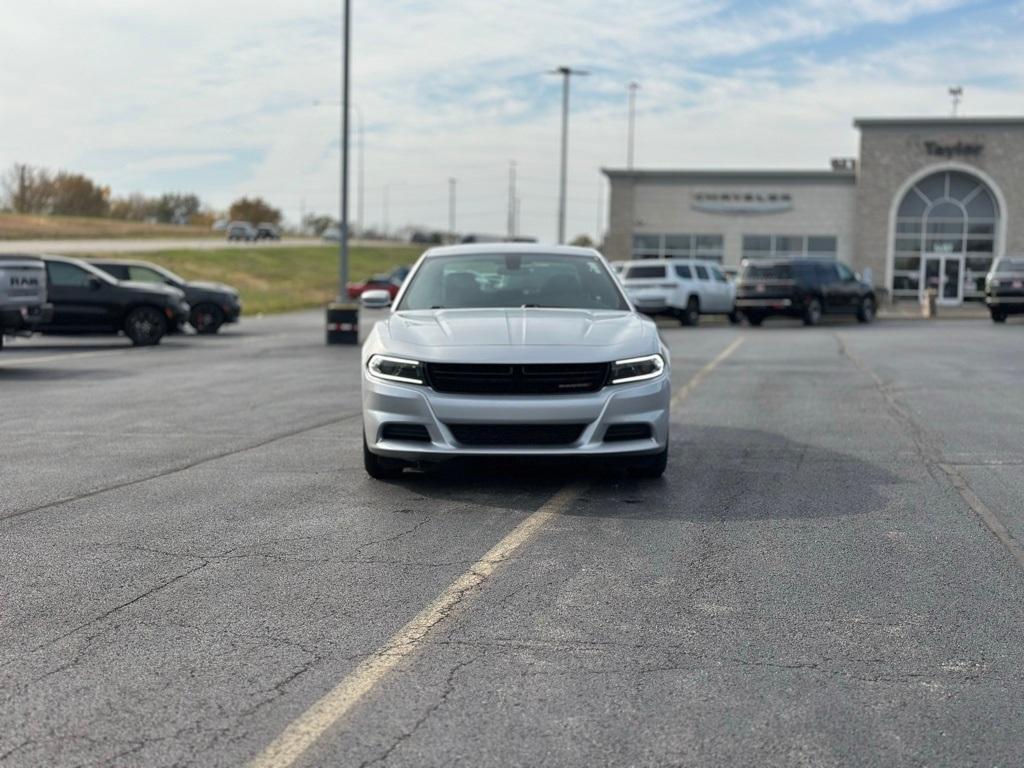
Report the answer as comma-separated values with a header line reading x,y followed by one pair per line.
x,y
637,369
396,369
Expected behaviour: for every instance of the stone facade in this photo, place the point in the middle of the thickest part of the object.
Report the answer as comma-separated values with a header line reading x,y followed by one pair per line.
x,y
895,152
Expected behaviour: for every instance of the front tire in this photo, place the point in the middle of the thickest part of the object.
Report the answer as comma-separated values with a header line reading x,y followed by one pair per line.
x,y
378,467
812,314
998,316
145,326
866,311
206,318
690,315
735,318
754,318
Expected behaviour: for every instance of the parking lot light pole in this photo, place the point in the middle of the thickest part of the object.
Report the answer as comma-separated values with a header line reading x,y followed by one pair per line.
x,y
633,88
343,318
566,73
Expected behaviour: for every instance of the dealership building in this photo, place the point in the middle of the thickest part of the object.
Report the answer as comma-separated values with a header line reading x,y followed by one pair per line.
x,y
927,204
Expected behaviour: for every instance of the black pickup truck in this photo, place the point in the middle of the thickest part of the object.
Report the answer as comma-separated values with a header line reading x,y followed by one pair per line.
x,y
87,300
805,288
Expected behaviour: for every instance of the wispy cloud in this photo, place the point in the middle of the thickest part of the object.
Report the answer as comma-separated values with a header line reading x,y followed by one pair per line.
x,y
219,98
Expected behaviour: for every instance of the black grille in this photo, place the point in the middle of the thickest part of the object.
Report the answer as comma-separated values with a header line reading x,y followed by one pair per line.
x,y
617,432
490,379
517,434
414,432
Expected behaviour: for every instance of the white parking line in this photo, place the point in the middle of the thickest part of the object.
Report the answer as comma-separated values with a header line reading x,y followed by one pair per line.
x,y
57,358
304,731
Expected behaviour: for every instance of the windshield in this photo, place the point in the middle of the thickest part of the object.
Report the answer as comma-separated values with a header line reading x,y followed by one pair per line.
x,y
767,272
502,280
645,272
1010,266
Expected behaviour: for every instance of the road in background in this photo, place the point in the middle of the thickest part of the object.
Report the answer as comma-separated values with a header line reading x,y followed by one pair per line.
x,y
139,245
193,557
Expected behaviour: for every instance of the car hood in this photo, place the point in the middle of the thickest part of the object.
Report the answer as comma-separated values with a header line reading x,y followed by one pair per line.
x,y
218,287
522,334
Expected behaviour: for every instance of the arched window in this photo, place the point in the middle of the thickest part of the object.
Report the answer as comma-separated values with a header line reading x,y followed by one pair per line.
x,y
949,213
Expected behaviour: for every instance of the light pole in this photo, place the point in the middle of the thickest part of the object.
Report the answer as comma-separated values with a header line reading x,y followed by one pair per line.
x,y
633,88
957,93
360,158
511,199
566,73
343,229
451,209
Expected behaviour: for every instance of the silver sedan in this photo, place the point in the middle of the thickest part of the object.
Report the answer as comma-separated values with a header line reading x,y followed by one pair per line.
x,y
506,349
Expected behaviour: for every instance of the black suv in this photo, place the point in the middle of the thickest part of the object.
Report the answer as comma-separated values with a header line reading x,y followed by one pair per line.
x,y
803,288
213,304
88,300
1004,288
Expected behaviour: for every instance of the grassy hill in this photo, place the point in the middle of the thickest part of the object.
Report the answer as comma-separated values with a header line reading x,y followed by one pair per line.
x,y
18,226
279,279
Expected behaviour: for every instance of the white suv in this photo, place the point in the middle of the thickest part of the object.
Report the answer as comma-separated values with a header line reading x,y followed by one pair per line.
x,y
682,288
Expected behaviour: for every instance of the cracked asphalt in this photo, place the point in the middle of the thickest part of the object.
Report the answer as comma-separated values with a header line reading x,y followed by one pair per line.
x,y
830,573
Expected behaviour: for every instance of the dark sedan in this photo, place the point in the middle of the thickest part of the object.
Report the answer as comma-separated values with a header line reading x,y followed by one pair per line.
x,y
1004,288
87,300
213,304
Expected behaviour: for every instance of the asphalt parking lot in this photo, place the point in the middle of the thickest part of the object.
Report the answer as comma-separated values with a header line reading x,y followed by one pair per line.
x,y
830,573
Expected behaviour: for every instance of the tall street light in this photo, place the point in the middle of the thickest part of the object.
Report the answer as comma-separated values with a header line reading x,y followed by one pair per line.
x,y
566,73
633,88
343,229
360,158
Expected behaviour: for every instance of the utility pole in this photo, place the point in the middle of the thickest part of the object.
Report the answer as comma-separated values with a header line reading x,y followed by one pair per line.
x,y
343,227
387,203
566,73
518,211
511,199
633,88
451,210
957,93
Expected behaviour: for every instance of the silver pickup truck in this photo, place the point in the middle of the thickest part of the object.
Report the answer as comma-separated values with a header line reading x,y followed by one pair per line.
x,y
23,302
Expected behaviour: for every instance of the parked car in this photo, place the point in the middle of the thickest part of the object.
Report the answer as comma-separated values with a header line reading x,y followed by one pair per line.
x,y
390,282
87,300
682,288
266,231
23,302
513,350
804,288
241,230
211,304
1004,288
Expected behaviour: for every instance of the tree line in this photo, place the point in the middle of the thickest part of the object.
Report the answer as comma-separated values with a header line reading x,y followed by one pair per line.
x,y
32,190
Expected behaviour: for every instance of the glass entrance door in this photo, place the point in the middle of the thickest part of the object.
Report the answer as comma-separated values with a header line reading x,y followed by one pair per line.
x,y
943,273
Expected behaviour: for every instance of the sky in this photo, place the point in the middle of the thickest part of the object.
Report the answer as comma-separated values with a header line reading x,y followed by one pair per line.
x,y
228,99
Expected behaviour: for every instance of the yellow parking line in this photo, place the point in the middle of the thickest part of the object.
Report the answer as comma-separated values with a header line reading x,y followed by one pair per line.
x,y
693,383
303,732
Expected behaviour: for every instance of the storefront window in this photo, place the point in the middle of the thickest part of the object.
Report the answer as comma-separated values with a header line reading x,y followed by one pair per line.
x,y
947,218
773,246
678,246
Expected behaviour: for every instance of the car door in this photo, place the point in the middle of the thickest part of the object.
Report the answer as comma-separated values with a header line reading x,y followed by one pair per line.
x,y
705,288
722,288
850,287
827,278
80,299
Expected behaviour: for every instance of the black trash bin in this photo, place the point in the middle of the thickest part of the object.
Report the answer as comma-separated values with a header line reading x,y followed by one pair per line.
x,y
342,323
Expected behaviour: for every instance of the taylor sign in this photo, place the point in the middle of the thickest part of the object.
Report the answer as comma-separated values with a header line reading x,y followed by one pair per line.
x,y
742,202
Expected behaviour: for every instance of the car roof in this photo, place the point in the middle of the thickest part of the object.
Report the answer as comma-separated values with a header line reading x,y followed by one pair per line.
x,y
125,262
476,249
19,256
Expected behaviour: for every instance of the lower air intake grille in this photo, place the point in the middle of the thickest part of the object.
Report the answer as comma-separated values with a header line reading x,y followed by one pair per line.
x,y
620,432
414,432
517,434
500,379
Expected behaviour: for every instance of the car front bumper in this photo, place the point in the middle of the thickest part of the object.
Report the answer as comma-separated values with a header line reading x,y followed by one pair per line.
x,y
645,402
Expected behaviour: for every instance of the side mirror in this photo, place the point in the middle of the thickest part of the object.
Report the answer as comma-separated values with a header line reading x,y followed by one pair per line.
x,y
95,283
375,299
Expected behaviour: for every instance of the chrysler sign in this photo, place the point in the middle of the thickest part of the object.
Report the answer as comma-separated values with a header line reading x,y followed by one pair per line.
x,y
742,202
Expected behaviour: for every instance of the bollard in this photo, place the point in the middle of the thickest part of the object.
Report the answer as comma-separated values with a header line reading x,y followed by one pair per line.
x,y
343,324
928,303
